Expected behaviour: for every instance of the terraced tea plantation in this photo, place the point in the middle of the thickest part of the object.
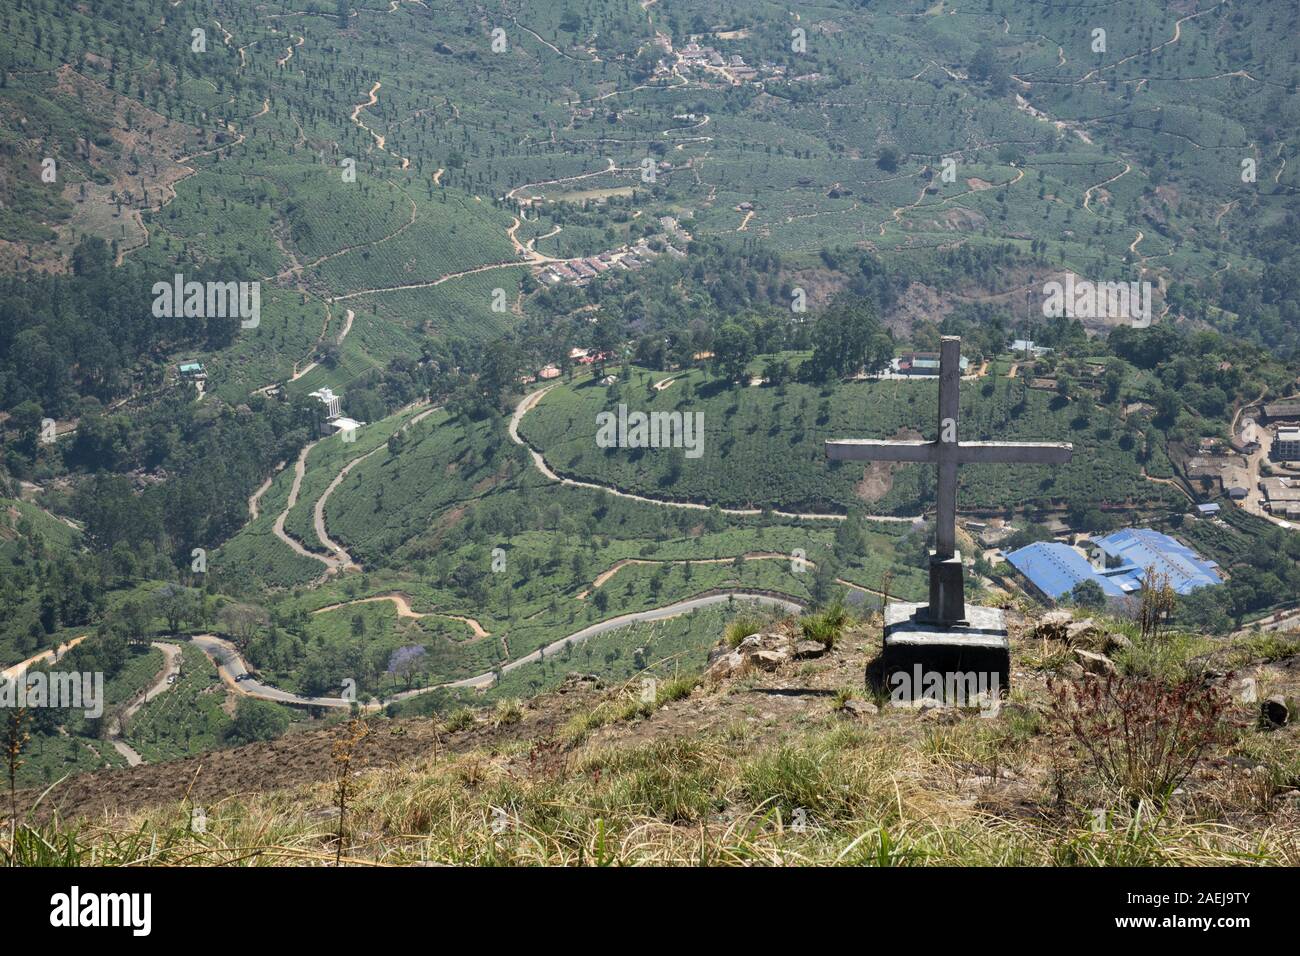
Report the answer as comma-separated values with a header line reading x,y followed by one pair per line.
x,y
748,429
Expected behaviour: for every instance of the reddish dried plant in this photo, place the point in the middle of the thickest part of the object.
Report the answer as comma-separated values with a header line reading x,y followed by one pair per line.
x,y
1142,735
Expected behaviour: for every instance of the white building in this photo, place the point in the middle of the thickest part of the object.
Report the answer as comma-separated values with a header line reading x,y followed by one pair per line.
x,y
1028,347
331,402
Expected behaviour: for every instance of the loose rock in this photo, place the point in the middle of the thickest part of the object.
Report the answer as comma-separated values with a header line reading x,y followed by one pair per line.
x,y
859,708
1275,711
809,649
1098,664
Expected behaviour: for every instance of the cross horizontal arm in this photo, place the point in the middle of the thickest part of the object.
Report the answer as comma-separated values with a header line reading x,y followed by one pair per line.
x,y
869,449
967,452
1014,452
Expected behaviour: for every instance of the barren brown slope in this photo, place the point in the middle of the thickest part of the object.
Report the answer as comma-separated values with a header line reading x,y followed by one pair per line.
x,y
293,760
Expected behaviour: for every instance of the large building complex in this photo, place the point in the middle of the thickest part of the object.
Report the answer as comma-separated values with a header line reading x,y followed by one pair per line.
x,y
1118,565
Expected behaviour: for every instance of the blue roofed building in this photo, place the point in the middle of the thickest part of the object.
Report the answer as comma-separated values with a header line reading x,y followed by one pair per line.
x,y
1054,569
1121,563
1136,549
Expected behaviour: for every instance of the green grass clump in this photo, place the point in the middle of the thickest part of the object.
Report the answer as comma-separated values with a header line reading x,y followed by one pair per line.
x,y
741,628
825,626
460,719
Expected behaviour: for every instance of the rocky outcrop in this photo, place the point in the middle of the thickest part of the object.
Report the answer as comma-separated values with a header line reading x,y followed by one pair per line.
x,y
759,652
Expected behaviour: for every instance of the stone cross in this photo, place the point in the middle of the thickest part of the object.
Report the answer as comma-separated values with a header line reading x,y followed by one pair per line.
x,y
947,598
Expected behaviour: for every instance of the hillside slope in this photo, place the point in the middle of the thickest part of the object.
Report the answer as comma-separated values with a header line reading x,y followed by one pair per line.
x,y
780,763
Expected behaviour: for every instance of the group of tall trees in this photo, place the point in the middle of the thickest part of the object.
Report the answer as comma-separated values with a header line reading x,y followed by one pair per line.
x,y
65,338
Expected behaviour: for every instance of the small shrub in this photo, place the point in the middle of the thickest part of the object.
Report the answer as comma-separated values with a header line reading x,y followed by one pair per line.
x,y
1143,736
1267,646
675,688
817,780
508,711
460,719
673,780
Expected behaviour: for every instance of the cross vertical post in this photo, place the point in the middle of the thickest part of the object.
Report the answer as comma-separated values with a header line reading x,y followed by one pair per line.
x,y
947,605
945,519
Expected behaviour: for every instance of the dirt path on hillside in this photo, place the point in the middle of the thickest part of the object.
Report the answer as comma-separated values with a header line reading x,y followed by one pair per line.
x,y
435,282
379,140
262,489
548,44
299,471
1178,30
1087,195
341,556
347,327
1172,483
289,53
606,575
897,215
526,249
162,683
403,605
298,267
169,190
611,167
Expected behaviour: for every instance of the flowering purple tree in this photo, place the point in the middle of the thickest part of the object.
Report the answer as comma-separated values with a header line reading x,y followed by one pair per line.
x,y
404,663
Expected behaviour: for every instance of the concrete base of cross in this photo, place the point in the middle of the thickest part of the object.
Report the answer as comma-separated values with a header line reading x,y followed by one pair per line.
x,y
953,664
947,591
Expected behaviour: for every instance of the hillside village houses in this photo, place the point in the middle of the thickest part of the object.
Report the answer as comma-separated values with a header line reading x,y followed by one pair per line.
x,y
700,60
1281,496
582,270
1283,418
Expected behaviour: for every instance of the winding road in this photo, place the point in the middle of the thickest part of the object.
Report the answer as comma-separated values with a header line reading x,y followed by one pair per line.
x,y
232,667
403,605
52,655
605,575
343,560
299,471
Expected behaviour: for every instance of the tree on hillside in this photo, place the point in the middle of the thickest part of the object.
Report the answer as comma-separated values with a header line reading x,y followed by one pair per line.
x,y
257,720
1203,609
847,337
1088,594
242,622
733,348
175,605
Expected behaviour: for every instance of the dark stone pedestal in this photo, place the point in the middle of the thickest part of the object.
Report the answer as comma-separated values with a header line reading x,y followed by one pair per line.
x,y
947,591
951,663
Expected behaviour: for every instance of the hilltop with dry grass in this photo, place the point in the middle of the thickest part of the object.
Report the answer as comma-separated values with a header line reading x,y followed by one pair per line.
x,y
1114,747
